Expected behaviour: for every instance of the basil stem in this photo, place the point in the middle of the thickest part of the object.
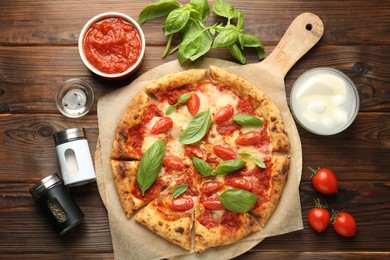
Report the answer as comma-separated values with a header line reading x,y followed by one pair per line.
x,y
150,166
238,200
178,190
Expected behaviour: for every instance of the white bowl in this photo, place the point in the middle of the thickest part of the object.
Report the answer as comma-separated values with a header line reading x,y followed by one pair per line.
x,y
134,67
324,101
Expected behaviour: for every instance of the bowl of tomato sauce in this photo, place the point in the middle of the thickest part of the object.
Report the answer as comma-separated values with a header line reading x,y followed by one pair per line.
x,y
112,45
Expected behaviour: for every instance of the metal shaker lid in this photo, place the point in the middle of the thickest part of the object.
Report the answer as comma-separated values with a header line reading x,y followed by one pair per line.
x,y
44,184
69,135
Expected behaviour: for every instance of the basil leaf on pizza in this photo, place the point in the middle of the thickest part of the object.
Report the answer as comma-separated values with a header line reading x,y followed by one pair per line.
x,y
197,128
181,100
257,161
247,120
178,190
202,167
238,200
226,167
150,166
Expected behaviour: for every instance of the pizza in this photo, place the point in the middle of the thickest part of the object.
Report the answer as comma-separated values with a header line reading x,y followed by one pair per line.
x,y
200,157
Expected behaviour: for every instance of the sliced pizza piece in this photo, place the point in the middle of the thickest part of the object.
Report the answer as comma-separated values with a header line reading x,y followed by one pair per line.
x,y
171,214
266,183
216,226
129,192
131,127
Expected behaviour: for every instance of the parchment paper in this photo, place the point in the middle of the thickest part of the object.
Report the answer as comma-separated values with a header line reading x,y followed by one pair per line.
x,y
132,240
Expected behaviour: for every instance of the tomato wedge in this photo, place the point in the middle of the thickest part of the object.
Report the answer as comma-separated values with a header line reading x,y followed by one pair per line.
x,y
249,138
162,126
223,114
225,152
173,163
193,104
211,187
181,204
196,151
212,203
240,183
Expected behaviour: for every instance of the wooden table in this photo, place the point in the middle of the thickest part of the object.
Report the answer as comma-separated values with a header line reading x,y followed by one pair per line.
x,y
38,51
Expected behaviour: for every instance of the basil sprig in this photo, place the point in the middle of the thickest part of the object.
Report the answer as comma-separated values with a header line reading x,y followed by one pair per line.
x,y
224,168
181,100
238,200
150,166
247,120
178,190
257,161
197,38
196,128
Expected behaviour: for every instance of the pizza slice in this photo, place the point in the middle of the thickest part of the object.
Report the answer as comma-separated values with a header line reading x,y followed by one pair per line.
x,y
171,213
214,224
266,183
130,130
129,192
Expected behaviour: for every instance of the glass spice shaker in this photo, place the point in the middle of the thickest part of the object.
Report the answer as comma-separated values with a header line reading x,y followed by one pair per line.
x,y
74,157
55,200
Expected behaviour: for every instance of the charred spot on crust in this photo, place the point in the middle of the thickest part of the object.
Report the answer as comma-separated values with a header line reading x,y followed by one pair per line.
x,y
273,119
179,230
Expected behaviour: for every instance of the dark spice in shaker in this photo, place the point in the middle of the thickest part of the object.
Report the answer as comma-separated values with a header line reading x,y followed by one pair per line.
x,y
55,200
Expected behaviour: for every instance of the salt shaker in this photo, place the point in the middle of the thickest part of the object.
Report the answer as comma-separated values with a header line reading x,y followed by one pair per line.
x,y
74,157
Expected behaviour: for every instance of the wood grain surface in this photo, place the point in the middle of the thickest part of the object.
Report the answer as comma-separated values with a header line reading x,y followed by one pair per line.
x,y
38,51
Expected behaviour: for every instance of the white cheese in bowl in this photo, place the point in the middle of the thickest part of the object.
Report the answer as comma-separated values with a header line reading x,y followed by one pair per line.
x,y
324,101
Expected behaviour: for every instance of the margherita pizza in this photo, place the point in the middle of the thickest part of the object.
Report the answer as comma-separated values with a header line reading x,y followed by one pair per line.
x,y
193,158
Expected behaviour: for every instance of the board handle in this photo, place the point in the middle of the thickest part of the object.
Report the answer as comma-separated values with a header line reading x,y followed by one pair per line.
x,y
302,34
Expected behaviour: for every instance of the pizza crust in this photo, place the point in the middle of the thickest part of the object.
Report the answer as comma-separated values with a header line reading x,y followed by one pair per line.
x,y
176,80
131,117
205,238
279,172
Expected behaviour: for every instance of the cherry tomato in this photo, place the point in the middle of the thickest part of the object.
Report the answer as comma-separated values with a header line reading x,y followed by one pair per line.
x,y
196,151
173,163
162,126
181,204
249,138
324,180
193,104
240,183
224,152
344,224
211,187
319,217
212,203
223,114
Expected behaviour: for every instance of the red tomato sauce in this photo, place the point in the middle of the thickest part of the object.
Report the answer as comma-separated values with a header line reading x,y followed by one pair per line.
x,y
173,95
150,194
245,106
136,134
112,45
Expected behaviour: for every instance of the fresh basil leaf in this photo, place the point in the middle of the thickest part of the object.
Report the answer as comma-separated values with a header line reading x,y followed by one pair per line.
x,y
202,6
170,110
196,128
250,40
178,190
150,166
246,155
224,9
202,167
259,163
226,167
183,98
247,120
238,200
196,28
157,9
176,20
226,37
236,52
260,52
189,46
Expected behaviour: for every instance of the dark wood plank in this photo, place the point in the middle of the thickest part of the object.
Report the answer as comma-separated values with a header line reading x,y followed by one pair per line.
x,y
54,23
30,76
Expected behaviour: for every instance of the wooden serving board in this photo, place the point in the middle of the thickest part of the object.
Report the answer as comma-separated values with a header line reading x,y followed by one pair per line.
x,y
303,33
